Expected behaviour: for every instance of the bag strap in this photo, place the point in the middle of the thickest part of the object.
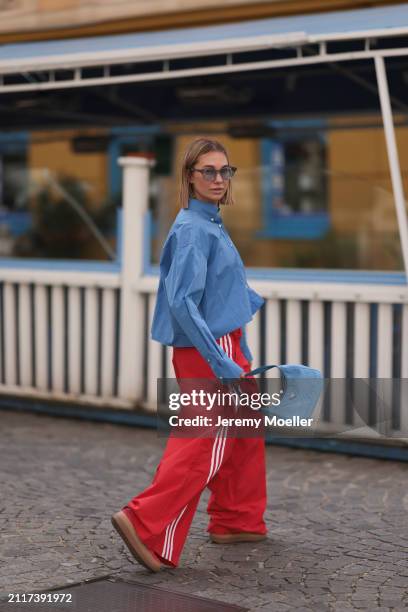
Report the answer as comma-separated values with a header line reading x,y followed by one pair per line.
x,y
261,369
264,368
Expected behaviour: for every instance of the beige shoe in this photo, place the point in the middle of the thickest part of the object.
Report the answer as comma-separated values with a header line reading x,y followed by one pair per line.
x,y
128,534
233,538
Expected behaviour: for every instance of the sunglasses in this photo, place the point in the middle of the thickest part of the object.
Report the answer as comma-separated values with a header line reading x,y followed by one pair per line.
x,y
210,174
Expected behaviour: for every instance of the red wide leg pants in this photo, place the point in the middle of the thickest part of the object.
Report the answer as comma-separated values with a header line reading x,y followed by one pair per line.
x,y
232,468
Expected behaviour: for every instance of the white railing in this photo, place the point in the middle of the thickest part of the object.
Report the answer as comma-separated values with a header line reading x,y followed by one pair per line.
x,y
85,336
59,334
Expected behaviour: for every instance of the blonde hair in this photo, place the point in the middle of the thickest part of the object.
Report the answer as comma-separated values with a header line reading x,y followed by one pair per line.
x,y
198,147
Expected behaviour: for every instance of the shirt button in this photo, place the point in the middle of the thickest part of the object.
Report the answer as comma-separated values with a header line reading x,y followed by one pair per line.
x,y
219,225
208,360
212,218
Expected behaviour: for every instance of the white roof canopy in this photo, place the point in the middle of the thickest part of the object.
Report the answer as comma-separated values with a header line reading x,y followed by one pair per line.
x,y
36,66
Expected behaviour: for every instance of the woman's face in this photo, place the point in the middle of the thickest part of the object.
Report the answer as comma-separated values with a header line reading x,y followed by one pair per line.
x,y
209,191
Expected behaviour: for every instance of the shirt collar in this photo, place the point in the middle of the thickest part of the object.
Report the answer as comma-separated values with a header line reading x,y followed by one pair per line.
x,y
205,209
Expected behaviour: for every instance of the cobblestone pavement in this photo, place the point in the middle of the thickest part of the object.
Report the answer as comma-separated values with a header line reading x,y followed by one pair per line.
x,y
338,536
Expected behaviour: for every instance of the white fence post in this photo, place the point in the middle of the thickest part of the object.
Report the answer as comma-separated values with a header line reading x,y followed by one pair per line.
x,y
135,204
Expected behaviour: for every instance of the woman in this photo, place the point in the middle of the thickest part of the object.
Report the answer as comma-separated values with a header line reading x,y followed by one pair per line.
x,y
203,304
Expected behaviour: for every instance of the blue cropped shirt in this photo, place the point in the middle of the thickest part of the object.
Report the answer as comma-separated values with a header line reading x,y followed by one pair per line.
x,y
203,292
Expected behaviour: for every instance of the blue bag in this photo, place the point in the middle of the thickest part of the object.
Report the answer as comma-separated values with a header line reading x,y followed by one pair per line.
x,y
302,387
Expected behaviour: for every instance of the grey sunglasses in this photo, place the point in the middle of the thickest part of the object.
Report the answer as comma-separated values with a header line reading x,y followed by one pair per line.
x,y
210,174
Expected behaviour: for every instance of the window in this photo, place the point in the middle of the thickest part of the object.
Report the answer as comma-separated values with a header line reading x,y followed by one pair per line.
x,y
294,187
15,218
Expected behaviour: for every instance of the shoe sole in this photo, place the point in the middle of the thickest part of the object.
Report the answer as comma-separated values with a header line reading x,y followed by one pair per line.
x,y
232,538
139,551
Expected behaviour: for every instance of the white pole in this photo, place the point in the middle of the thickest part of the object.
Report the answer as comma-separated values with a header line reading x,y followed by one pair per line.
x,y
135,204
393,157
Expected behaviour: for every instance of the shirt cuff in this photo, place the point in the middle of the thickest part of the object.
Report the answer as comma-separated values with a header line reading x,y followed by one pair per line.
x,y
225,368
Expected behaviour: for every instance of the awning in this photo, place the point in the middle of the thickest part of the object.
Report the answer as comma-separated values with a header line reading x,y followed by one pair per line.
x,y
35,65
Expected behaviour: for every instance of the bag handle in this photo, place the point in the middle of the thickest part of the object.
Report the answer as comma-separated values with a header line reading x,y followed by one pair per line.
x,y
261,369
264,368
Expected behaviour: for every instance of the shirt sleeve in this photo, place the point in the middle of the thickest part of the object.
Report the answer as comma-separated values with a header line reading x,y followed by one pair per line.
x,y
244,345
185,283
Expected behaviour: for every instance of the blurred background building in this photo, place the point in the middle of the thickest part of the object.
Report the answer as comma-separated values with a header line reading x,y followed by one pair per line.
x,y
313,187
